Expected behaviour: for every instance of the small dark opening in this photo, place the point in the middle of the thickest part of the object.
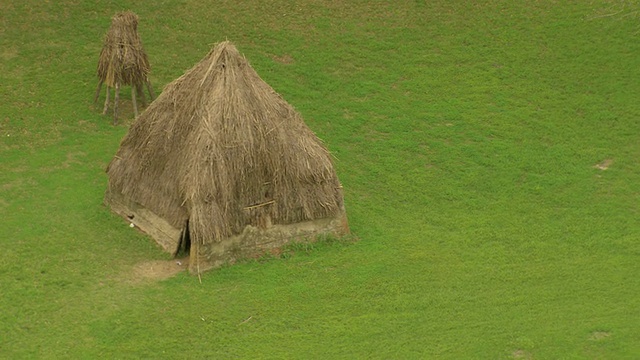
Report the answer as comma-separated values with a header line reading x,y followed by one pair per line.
x,y
184,246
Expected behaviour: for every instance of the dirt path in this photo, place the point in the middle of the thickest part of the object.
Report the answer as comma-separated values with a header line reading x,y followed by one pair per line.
x,y
156,270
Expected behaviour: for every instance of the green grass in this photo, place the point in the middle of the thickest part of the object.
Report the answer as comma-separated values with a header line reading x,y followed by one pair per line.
x,y
466,135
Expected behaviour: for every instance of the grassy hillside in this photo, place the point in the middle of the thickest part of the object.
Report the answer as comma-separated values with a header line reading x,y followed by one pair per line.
x,y
488,150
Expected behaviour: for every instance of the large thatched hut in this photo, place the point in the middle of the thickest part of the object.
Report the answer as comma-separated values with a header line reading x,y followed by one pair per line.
x,y
221,165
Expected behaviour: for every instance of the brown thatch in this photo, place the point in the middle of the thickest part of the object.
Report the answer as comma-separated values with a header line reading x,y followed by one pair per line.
x,y
221,149
123,60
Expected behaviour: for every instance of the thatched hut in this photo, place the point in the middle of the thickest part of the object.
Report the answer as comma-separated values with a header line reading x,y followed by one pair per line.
x,y
123,61
221,165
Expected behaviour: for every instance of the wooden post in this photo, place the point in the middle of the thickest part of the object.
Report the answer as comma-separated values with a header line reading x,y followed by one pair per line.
x,y
133,99
115,104
106,101
140,93
150,90
95,98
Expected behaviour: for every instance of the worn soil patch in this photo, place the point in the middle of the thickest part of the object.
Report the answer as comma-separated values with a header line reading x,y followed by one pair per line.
x,y
522,354
284,59
599,335
604,165
157,270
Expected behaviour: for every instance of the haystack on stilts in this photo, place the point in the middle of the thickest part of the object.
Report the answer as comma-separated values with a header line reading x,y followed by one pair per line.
x,y
123,62
223,166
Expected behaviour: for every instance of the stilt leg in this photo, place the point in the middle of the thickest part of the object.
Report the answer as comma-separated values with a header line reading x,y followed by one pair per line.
x,y
133,100
115,104
150,90
106,101
141,96
95,98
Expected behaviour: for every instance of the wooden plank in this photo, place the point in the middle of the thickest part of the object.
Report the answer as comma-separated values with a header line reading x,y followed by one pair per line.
x,y
144,219
255,241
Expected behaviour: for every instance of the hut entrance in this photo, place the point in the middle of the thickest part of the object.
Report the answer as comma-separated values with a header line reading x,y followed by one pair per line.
x,y
184,245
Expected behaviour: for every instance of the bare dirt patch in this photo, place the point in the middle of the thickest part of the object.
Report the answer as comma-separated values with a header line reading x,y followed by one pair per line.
x,y
18,184
284,59
599,335
522,354
604,165
157,270
72,158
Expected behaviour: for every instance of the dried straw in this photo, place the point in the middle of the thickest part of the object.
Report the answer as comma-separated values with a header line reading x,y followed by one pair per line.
x,y
123,59
221,148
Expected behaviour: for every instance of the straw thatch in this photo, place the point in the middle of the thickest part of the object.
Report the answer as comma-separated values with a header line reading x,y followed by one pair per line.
x,y
221,149
123,60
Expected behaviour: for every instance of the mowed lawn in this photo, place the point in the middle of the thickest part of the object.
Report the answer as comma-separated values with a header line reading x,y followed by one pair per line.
x,y
489,152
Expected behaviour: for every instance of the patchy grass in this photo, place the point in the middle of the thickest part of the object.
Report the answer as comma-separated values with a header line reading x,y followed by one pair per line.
x,y
488,152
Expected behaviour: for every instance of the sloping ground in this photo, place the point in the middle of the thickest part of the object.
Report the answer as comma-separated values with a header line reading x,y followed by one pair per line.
x,y
465,135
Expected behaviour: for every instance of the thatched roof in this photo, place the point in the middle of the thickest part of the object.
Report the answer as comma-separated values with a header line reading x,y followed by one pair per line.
x,y
122,58
221,148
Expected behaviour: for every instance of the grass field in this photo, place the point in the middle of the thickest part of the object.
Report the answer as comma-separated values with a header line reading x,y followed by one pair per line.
x,y
488,150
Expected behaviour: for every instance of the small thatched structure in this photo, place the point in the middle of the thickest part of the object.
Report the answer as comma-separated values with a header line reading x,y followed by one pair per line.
x,y
123,62
222,165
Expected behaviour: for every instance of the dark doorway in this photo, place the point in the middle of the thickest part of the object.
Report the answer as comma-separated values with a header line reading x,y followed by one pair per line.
x,y
184,246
